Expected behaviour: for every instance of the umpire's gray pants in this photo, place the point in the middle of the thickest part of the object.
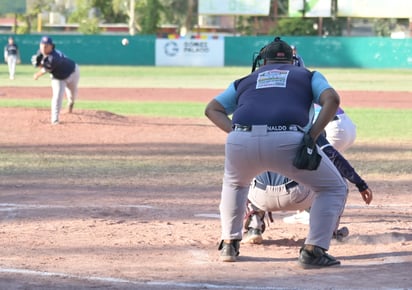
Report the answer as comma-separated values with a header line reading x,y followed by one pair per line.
x,y
248,154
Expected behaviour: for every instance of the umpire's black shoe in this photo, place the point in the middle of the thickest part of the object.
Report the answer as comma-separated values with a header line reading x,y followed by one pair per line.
x,y
317,258
229,251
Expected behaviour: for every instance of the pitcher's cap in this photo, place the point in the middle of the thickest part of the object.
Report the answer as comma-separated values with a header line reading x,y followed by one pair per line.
x,y
46,40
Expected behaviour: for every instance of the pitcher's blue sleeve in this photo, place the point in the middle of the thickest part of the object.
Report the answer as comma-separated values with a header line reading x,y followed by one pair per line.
x,y
228,99
343,166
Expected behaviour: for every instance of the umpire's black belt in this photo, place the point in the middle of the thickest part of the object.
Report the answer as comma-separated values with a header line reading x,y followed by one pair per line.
x,y
289,185
269,128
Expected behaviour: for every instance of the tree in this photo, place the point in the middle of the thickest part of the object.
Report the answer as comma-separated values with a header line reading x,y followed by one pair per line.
x,y
180,12
149,16
252,25
128,9
32,12
295,26
88,24
384,26
109,11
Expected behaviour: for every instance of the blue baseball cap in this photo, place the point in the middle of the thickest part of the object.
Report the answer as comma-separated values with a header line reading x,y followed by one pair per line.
x,y
46,40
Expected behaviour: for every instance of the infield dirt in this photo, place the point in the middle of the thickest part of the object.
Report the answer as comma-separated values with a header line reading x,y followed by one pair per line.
x,y
104,201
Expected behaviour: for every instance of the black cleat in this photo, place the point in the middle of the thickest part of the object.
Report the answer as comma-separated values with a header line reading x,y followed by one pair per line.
x,y
317,258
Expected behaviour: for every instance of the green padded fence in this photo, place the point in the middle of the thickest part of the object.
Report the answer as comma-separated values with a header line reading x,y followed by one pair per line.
x,y
354,52
93,49
348,52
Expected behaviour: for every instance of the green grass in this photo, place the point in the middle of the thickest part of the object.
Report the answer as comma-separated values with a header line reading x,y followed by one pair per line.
x,y
372,124
382,124
206,77
153,109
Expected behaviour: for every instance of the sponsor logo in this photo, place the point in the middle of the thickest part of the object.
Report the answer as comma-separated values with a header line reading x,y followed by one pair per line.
x,y
171,48
196,47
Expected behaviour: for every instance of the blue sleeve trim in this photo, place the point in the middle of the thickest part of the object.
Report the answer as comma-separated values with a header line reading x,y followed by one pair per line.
x,y
319,84
228,99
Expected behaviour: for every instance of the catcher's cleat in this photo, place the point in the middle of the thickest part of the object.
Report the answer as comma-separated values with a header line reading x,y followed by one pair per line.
x,y
70,109
252,236
341,233
229,251
301,217
254,216
317,258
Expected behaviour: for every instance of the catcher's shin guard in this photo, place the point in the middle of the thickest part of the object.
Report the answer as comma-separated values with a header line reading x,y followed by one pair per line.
x,y
252,212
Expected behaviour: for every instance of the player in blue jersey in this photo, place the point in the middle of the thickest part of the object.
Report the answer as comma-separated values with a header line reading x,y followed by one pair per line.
x,y
64,73
11,56
270,108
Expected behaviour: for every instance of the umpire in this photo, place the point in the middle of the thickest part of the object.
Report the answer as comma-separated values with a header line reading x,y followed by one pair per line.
x,y
269,107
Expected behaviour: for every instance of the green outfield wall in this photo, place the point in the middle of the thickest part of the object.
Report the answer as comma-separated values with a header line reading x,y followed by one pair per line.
x,y
348,52
93,49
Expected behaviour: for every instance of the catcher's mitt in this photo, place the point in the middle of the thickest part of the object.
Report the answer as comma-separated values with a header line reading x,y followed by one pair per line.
x,y
307,156
36,59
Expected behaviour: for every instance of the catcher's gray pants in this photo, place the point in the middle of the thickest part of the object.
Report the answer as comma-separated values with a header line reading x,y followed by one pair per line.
x,y
59,87
248,154
280,197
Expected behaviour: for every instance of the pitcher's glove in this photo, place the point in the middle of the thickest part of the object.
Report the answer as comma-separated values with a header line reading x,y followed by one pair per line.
x,y
307,156
36,59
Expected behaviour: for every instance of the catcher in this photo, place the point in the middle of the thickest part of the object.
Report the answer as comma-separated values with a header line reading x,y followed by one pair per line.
x,y
273,192
64,72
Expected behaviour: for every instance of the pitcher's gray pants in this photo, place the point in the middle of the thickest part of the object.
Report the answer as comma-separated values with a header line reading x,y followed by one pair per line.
x,y
59,87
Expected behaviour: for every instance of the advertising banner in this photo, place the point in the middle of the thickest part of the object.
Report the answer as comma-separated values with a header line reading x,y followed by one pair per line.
x,y
234,7
189,52
375,8
313,8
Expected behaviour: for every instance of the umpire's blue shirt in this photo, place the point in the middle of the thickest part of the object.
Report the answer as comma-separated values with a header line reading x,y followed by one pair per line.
x,y
285,95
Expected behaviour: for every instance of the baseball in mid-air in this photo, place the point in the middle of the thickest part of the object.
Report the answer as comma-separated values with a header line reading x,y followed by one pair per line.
x,y
125,41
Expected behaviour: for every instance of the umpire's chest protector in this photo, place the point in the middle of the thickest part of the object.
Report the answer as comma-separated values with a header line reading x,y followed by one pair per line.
x,y
278,94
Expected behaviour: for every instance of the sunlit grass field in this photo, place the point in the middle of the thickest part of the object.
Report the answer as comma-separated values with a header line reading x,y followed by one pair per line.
x,y
210,77
373,124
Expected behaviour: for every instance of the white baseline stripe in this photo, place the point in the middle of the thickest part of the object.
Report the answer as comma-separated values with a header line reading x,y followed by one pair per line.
x,y
401,206
208,215
16,206
119,280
